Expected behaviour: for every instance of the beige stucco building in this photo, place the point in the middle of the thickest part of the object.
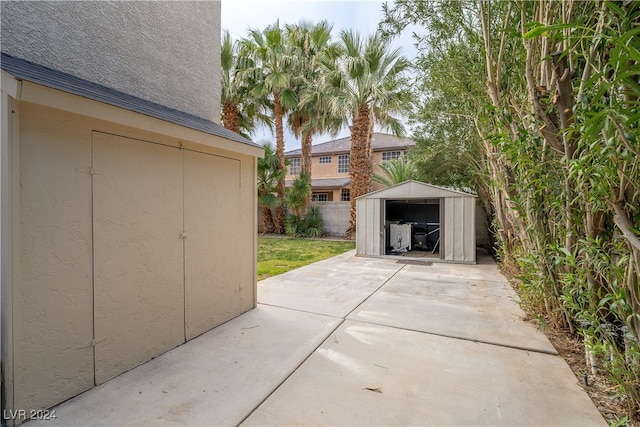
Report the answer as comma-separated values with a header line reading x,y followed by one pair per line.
x,y
128,213
330,164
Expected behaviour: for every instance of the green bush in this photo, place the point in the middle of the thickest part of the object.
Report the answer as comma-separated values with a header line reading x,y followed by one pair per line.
x,y
311,226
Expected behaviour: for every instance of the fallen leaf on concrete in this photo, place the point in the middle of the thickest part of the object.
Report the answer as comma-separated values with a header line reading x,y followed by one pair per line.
x,y
374,389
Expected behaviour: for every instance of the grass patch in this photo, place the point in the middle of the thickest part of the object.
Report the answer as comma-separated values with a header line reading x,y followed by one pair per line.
x,y
277,255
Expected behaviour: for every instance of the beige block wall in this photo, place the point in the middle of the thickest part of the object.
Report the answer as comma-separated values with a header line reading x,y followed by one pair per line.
x,y
53,316
166,52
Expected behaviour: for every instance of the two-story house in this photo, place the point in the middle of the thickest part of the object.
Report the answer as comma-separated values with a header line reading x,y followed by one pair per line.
x,y
330,164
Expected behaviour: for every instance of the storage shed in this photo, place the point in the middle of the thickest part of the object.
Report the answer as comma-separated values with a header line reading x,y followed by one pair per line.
x,y
417,220
128,228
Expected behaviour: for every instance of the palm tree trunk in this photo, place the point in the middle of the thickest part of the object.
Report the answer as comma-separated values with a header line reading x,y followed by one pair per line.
x,y
267,220
305,161
230,118
280,210
360,164
370,142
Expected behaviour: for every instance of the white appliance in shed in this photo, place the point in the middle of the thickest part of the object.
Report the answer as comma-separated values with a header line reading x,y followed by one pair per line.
x,y
400,237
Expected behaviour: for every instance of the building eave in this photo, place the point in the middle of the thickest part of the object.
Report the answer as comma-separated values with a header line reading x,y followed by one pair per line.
x,y
54,89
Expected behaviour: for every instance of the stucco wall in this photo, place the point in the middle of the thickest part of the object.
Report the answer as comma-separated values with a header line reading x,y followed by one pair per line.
x,y
53,322
167,52
330,170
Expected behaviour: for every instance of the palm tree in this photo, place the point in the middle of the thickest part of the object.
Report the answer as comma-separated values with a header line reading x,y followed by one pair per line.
x,y
368,86
310,42
241,112
274,62
395,171
268,176
297,195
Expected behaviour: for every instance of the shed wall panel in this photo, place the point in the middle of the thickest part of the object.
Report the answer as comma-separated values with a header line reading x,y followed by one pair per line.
x,y
368,245
459,230
470,230
454,233
138,279
448,236
53,315
361,205
373,225
368,241
459,222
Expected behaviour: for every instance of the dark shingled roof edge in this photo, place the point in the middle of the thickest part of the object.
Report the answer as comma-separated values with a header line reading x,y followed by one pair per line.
x,y
380,142
35,73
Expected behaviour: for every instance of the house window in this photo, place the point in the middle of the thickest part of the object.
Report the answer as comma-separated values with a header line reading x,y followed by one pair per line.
x,y
391,155
294,166
319,197
325,159
343,163
345,196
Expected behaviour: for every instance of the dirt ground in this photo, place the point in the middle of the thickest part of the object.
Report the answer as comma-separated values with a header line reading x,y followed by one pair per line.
x,y
603,393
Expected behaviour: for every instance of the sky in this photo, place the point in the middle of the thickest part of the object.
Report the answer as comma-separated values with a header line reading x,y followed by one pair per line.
x,y
361,15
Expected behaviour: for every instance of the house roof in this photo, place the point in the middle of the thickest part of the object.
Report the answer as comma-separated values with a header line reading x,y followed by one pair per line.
x,y
35,73
380,142
414,190
325,183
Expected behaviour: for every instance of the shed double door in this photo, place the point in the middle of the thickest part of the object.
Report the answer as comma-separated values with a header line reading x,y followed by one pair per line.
x,y
163,225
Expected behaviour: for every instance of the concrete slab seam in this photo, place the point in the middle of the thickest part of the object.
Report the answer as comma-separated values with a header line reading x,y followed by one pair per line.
x,y
461,338
375,291
295,369
342,320
301,310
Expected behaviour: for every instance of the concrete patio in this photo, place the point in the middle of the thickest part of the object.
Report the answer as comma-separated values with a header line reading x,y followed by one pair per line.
x,y
355,341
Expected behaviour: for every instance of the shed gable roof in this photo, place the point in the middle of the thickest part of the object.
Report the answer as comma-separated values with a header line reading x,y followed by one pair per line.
x,y
414,190
35,73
